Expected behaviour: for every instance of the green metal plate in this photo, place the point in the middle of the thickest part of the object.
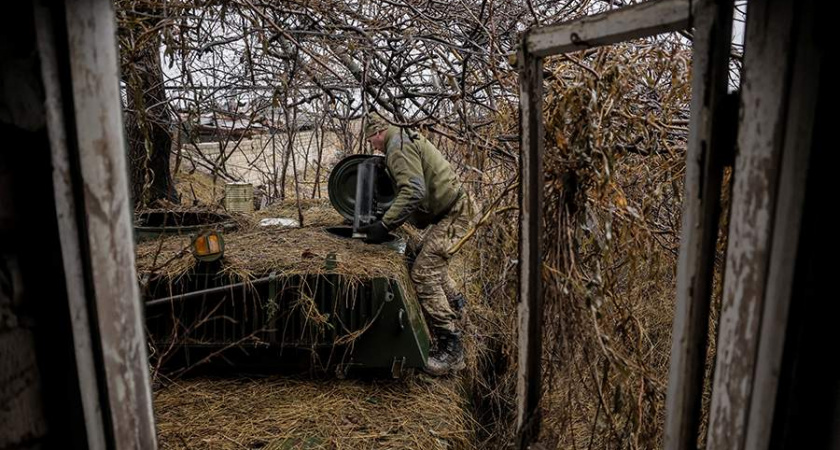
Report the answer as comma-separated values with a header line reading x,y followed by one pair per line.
x,y
398,334
342,186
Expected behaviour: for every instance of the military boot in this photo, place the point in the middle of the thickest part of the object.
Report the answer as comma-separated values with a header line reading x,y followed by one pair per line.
x,y
448,357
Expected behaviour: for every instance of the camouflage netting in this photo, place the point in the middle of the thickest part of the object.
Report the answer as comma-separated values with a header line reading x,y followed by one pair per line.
x,y
291,412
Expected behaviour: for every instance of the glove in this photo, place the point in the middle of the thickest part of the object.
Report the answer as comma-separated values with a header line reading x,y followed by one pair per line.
x,y
376,232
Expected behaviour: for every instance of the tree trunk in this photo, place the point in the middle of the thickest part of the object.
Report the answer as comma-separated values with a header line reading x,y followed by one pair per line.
x,y
148,126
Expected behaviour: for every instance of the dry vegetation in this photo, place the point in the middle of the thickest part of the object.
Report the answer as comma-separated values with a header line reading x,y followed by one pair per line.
x,y
290,413
616,126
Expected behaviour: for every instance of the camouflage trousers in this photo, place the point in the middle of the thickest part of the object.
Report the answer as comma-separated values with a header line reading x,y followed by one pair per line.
x,y
430,273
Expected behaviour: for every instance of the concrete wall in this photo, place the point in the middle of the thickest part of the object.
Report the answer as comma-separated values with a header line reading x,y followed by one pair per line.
x,y
256,160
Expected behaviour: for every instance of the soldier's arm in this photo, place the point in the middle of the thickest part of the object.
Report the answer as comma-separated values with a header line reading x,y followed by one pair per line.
x,y
407,171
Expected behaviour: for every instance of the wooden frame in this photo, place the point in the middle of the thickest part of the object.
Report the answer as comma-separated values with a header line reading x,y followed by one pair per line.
x,y
780,98
790,197
529,387
79,65
643,20
706,151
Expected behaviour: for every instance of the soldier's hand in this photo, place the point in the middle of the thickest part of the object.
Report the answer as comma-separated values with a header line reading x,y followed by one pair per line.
x,y
376,232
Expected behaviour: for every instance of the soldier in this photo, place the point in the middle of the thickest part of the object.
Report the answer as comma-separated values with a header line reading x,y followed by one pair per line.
x,y
429,195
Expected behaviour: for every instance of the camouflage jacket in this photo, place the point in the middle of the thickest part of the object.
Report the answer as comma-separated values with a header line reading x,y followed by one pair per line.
x,y
425,183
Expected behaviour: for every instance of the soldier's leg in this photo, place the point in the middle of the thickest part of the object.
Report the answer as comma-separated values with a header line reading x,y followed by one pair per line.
x,y
428,273
450,287
457,224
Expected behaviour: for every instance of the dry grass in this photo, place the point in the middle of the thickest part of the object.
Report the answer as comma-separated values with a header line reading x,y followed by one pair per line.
x,y
290,413
295,413
615,133
614,162
253,253
253,250
277,412
199,188
615,159
316,212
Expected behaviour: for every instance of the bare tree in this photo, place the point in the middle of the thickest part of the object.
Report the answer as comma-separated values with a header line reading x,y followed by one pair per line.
x,y
147,112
